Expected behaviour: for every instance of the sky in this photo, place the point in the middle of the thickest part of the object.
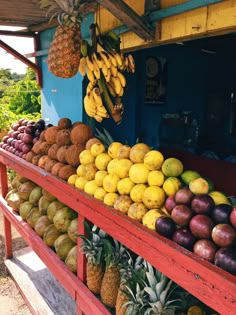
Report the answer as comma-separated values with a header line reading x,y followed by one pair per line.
x,y
21,44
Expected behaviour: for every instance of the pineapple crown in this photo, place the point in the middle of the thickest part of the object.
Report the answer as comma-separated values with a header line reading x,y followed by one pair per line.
x,y
69,12
104,136
115,254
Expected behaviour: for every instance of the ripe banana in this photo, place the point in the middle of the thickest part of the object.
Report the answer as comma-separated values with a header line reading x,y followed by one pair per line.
x,y
96,71
112,59
91,76
82,66
108,76
118,58
98,118
111,89
131,65
96,56
121,78
89,105
105,58
97,96
104,69
117,84
90,64
114,71
121,91
90,87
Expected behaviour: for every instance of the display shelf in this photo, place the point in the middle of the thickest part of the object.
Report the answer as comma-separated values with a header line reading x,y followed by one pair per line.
x,y
212,285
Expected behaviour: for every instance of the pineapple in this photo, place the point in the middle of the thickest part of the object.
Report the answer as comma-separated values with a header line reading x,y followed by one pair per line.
x,y
64,51
93,249
114,255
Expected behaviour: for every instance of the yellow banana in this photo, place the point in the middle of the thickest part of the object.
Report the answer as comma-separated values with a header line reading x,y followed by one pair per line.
x,y
104,69
90,87
96,71
90,76
126,62
90,109
111,89
82,66
118,58
114,71
121,91
121,78
131,63
117,84
99,60
98,118
108,76
102,114
89,63
97,96
105,58
112,59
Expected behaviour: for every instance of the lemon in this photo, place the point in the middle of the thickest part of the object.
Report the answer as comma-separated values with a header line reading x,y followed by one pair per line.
x,y
80,182
171,185
123,203
86,157
102,161
136,193
110,182
71,180
122,167
112,166
110,199
219,197
156,178
123,152
113,148
150,217
172,167
136,211
153,197
90,171
97,148
138,151
100,193
99,176
124,186
138,173
199,186
90,187
153,160
80,171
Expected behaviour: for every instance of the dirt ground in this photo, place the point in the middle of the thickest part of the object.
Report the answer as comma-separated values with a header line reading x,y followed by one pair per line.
x,y
11,301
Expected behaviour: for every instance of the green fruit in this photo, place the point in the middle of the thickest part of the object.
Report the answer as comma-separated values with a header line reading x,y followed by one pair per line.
x,y
219,197
189,175
172,167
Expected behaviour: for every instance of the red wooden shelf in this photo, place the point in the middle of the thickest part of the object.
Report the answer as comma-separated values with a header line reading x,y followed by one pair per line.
x,y
210,284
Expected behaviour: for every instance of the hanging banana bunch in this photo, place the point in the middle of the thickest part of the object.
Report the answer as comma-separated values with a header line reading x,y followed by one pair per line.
x,y
104,70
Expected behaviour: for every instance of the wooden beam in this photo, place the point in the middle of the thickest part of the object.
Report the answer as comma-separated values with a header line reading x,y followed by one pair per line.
x,y
20,57
129,17
180,8
17,33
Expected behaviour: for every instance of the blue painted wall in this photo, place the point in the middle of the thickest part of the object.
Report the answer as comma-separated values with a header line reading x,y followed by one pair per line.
x,y
61,97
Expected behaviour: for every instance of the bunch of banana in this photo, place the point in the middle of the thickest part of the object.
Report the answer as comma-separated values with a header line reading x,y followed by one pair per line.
x,y
93,104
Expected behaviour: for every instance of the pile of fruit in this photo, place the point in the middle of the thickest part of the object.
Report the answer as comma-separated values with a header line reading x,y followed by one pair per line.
x,y
52,220
179,204
128,283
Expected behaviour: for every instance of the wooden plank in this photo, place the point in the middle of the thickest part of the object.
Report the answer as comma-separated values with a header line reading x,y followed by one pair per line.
x,y
128,17
207,282
38,285
222,16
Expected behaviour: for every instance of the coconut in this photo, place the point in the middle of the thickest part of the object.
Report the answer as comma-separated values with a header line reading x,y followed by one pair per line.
x,y
66,171
25,189
64,123
72,154
16,183
71,259
63,137
42,161
56,167
61,153
53,208
50,235
25,208
47,195
63,218
14,201
90,142
42,135
49,165
52,152
63,245
29,156
50,134
35,195
76,123
35,159
122,203
44,147
43,205
81,134
12,191
36,147
41,224
73,230
33,216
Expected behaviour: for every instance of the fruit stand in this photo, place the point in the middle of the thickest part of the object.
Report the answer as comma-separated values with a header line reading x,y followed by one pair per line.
x,y
210,284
